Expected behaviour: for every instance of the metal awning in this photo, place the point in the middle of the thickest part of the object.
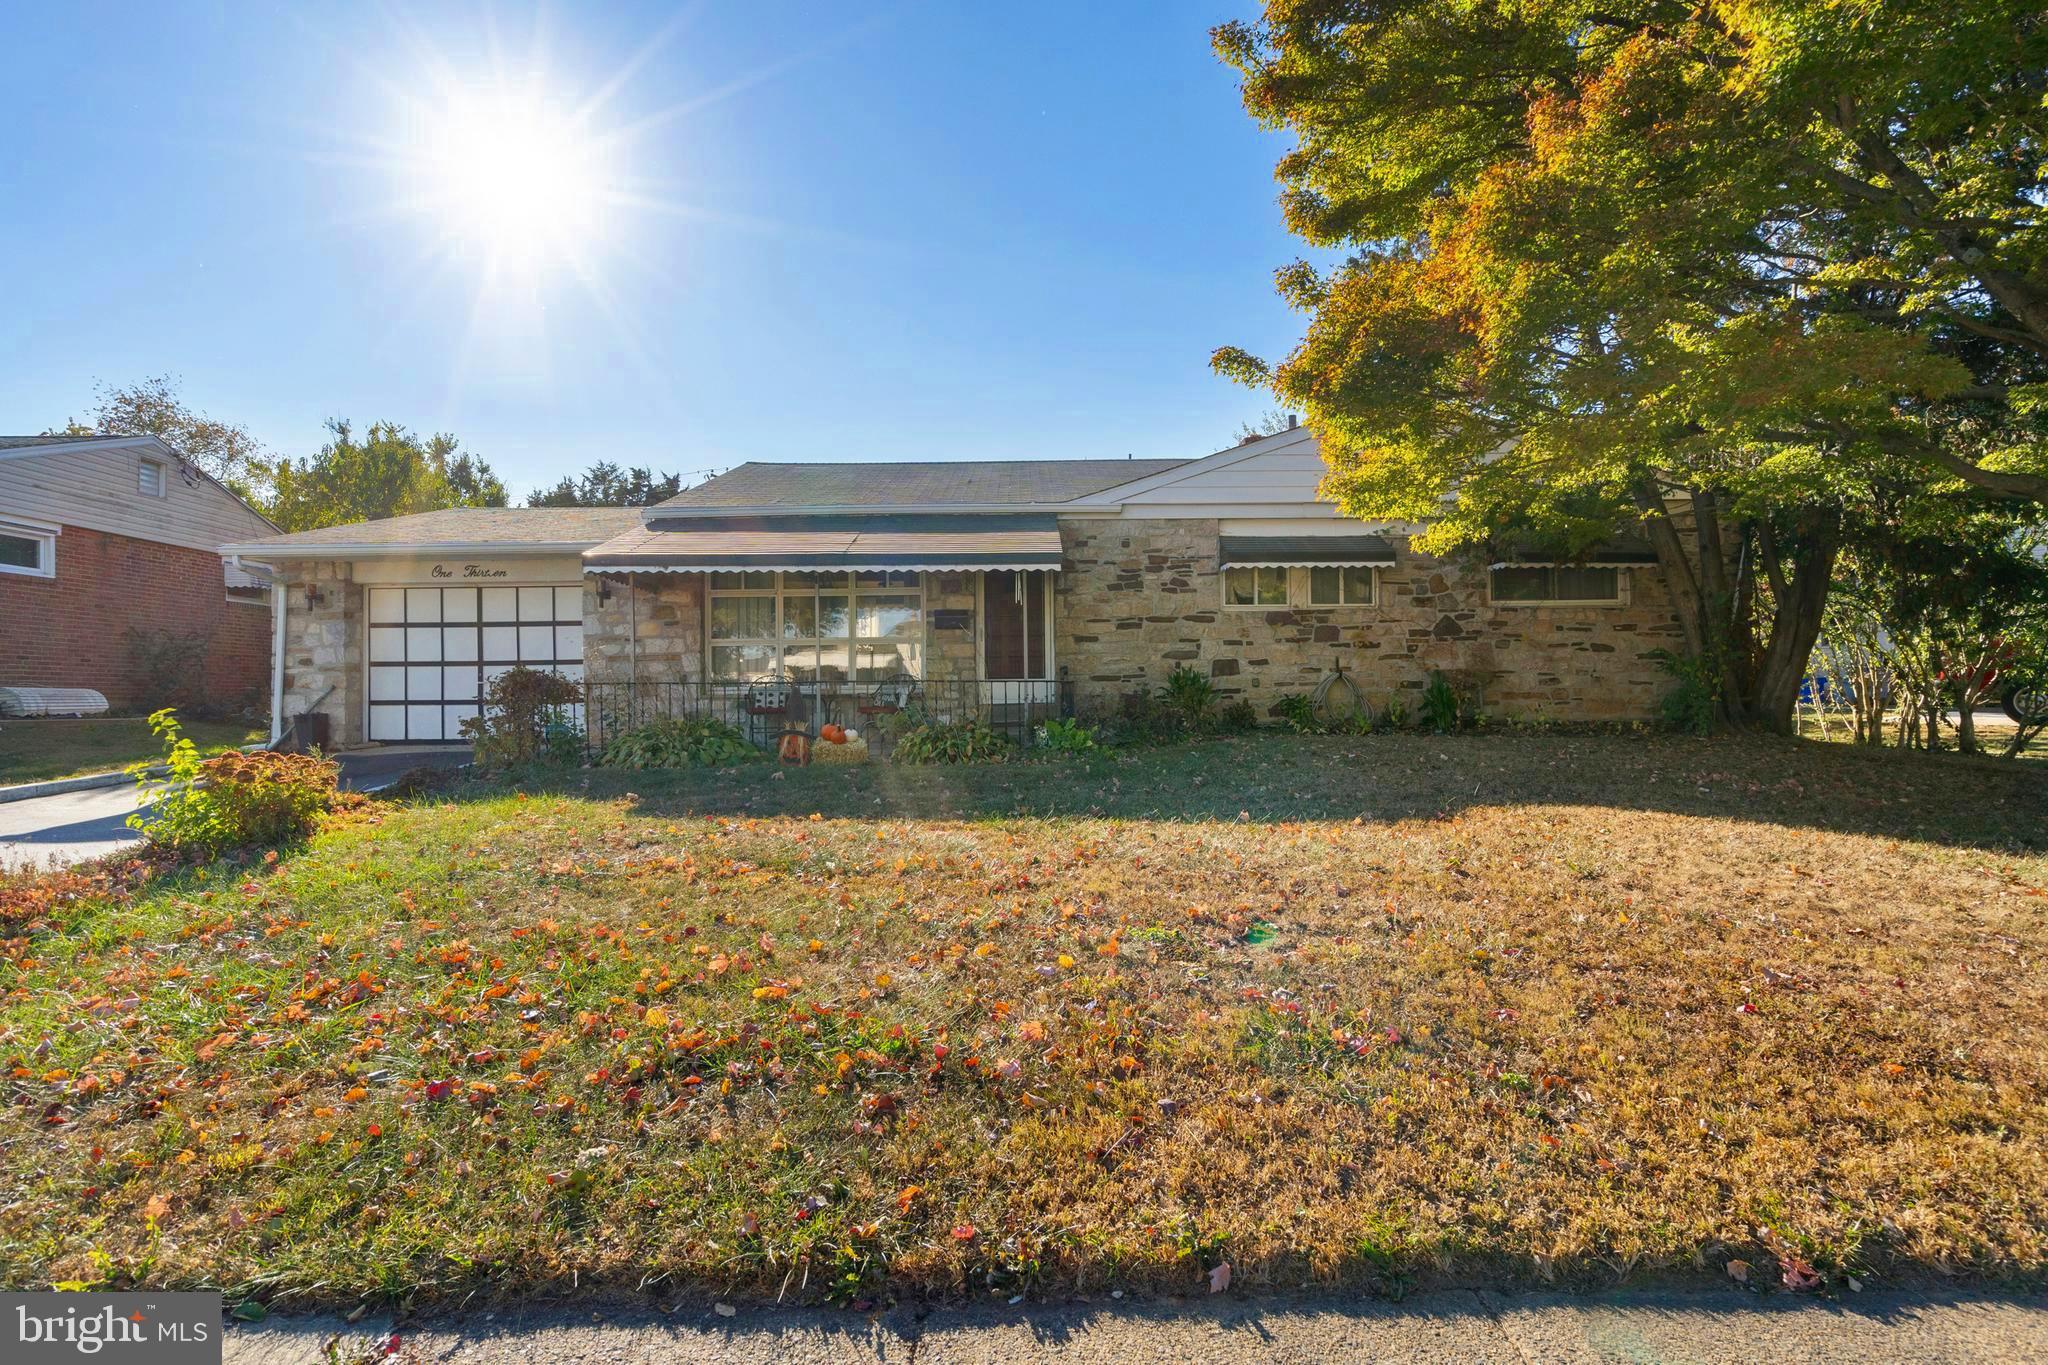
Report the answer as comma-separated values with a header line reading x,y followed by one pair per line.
x,y
1314,552
1622,553
801,543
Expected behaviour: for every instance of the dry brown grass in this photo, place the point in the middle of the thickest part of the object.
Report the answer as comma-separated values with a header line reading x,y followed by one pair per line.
x,y
1427,1008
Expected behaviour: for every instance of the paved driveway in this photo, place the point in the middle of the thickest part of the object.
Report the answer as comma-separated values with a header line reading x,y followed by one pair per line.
x,y
71,827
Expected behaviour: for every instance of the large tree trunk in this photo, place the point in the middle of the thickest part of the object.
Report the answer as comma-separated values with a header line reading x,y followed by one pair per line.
x,y
1797,598
1716,603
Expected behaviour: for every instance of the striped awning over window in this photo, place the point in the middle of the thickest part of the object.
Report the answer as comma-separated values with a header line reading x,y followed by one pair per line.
x,y
1620,553
1314,552
857,542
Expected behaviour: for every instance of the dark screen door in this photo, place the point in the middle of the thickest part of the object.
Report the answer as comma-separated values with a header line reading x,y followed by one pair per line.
x,y
1013,606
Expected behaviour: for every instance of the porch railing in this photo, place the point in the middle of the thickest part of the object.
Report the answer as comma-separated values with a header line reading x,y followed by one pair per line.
x,y
1012,706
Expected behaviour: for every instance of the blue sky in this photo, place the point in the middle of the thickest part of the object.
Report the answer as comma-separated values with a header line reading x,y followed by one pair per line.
x,y
927,231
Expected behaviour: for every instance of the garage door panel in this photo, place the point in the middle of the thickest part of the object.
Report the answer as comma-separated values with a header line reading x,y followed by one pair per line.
x,y
433,651
501,643
422,605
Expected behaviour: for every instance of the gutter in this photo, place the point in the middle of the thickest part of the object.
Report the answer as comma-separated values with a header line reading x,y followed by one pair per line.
x,y
408,550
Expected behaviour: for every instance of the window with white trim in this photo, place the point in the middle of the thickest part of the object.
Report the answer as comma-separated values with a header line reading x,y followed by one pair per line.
x,y
1553,585
815,627
149,478
28,550
1346,586
1262,586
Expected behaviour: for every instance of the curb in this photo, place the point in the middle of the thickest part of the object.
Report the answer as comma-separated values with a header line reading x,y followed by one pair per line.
x,y
56,786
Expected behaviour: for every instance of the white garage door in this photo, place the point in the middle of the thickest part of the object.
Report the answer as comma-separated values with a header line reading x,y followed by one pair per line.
x,y
434,650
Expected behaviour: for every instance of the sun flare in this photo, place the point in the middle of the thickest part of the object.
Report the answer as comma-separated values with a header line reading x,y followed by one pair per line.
x,y
512,176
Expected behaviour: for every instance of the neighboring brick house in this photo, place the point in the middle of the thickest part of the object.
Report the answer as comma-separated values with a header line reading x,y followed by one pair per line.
x,y
1017,587
106,538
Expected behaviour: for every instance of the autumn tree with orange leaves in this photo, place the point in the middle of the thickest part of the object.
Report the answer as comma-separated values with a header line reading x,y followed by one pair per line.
x,y
1756,267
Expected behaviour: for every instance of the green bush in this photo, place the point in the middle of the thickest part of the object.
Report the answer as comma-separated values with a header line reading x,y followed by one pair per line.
x,y
525,719
1237,717
684,742
206,806
1441,709
1190,693
920,740
1298,709
1065,735
1694,701
1395,717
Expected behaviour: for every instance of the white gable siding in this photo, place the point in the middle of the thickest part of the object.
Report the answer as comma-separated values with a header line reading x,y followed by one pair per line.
x,y
100,491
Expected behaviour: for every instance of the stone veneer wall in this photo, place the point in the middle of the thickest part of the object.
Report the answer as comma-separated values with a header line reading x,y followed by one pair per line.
x,y
665,611
1137,598
323,647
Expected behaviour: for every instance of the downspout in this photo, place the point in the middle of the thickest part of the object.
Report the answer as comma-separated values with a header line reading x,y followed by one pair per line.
x,y
277,603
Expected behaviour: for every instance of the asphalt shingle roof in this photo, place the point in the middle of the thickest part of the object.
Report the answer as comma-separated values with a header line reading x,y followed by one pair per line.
x,y
868,541
569,527
909,484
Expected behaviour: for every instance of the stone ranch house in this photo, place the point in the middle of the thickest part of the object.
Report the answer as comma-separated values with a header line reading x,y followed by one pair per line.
x,y
1021,587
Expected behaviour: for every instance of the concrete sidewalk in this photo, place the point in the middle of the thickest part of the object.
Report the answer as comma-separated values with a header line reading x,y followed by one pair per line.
x,y
1649,1325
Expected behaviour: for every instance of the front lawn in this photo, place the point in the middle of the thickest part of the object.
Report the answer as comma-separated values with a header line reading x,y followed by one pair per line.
x,y
1376,1011
42,750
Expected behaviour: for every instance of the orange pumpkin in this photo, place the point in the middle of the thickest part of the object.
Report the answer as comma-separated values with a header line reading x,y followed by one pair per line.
x,y
833,734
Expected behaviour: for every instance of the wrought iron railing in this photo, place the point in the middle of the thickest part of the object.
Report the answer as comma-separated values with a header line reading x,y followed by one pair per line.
x,y
1012,706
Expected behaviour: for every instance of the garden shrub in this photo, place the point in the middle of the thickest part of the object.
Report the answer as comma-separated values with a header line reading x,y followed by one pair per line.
x,y
681,742
1298,709
1441,709
1694,700
1395,716
207,806
919,739
526,719
167,664
1189,692
1237,717
1065,735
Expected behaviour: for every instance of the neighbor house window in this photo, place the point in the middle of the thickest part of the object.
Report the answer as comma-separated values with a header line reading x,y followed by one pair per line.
x,y
1555,584
29,550
1259,587
815,627
149,478
1350,586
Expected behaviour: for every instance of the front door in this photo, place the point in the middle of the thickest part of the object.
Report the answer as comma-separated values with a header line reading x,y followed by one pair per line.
x,y
1014,616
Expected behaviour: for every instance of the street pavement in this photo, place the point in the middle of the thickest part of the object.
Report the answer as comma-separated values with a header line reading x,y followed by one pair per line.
x,y
71,827
1638,1326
